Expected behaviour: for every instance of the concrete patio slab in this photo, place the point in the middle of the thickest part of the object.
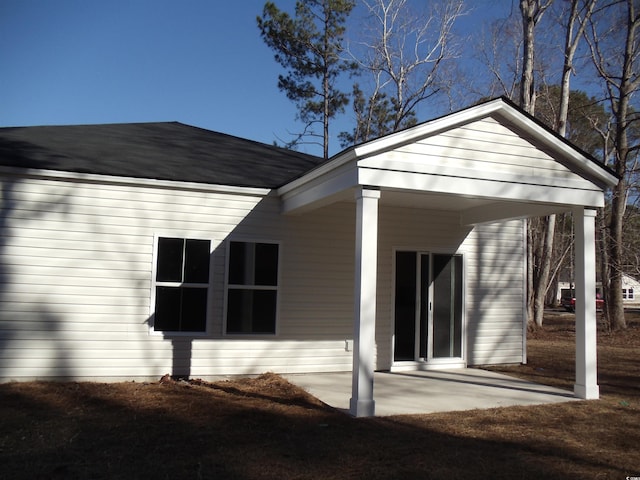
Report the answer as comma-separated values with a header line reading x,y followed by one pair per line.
x,y
432,391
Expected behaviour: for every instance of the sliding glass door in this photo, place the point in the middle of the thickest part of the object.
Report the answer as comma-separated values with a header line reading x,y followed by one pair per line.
x,y
428,306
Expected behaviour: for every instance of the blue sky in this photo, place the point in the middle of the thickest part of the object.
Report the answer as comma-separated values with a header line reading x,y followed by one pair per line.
x,y
200,62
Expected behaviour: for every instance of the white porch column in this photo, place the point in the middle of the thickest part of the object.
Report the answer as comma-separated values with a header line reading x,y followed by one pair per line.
x,y
362,403
586,385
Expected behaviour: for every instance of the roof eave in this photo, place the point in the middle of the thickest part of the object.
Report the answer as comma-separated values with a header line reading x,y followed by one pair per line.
x,y
340,159
98,178
583,162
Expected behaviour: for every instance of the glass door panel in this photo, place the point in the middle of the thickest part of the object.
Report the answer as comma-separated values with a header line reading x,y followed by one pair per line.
x,y
405,306
428,306
425,304
447,306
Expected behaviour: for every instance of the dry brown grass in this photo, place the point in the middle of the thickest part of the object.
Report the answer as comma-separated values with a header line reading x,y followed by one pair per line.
x,y
267,428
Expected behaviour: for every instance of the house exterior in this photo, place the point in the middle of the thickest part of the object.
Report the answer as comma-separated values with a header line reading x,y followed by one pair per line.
x,y
630,292
131,251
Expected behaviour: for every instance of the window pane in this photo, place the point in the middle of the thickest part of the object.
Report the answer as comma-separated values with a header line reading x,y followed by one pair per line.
x,y
266,264
194,310
167,316
251,311
196,261
239,308
238,274
169,260
264,311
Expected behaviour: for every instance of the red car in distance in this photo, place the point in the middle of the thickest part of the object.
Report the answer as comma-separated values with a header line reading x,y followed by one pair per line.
x,y
569,303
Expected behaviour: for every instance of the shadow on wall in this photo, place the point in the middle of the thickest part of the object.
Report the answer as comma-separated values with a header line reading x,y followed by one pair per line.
x,y
497,304
315,298
52,336
34,328
313,302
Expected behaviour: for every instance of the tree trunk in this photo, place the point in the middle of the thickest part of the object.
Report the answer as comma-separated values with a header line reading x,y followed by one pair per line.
x,y
627,85
532,11
572,38
530,276
616,306
545,267
527,92
571,44
325,91
604,265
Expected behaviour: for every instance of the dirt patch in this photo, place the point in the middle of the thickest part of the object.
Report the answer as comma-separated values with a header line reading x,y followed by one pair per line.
x,y
267,428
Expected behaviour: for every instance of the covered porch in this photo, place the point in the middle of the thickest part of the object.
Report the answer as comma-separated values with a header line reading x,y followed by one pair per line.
x,y
485,165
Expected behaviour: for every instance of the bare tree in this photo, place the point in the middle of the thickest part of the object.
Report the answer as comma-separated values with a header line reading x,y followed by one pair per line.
x,y
404,53
499,52
532,12
615,49
579,14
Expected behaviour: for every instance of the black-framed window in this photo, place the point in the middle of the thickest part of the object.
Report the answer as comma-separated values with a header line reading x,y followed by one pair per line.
x,y
252,287
181,285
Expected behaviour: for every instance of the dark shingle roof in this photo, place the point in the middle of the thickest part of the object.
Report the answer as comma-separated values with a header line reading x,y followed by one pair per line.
x,y
164,151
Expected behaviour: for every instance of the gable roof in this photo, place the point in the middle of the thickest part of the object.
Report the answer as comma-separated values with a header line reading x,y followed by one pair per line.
x,y
500,108
163,151
489,153
528,126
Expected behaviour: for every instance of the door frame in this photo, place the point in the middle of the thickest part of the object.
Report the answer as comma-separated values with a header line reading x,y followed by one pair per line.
x,y
428,363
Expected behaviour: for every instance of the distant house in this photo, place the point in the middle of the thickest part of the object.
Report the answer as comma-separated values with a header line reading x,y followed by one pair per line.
x,y
630,291
130,251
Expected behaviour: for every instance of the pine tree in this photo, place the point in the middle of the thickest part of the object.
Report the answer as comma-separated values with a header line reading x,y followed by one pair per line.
x,y
309,46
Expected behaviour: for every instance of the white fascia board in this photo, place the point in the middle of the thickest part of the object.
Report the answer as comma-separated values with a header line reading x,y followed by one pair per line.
x,y
318,172
472,173
480,188
132,181
320,191
428,128
575,157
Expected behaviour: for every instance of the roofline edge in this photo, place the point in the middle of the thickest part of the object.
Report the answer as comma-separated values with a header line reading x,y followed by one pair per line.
x,y
61,175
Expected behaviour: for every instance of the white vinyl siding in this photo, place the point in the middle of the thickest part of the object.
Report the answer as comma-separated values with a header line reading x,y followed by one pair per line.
x,y
483,150
76,262
495,301
494,274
